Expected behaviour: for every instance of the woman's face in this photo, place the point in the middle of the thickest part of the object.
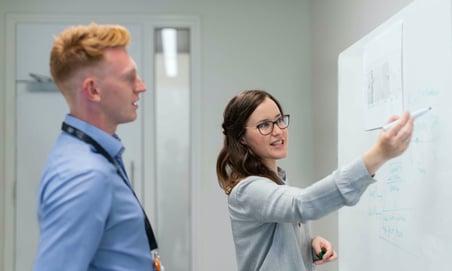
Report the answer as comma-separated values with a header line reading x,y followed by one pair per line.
x,y
269,147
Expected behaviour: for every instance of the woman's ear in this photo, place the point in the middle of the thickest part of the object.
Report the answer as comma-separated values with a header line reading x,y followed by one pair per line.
x,y
243,140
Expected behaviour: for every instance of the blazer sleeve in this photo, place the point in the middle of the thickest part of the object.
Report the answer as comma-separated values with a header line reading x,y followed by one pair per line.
x,y
261,199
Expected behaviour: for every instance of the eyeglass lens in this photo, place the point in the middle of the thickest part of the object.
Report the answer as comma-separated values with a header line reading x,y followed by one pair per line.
x,y
267,127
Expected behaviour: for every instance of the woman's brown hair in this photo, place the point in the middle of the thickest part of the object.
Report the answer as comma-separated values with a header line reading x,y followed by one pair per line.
x,y
236,160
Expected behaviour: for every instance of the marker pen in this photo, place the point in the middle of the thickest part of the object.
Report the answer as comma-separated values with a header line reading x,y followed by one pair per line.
x,y
415,115
322,253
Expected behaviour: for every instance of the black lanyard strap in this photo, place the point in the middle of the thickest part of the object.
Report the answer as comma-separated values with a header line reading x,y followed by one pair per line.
x,y
89,140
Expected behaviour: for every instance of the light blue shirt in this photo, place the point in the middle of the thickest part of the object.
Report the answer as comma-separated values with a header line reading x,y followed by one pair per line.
x,y
89,218
269,220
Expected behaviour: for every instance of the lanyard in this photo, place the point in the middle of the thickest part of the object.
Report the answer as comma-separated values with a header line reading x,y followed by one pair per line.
x,y
89,140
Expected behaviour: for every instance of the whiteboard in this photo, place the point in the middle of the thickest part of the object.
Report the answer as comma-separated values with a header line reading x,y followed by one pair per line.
x,y
402,222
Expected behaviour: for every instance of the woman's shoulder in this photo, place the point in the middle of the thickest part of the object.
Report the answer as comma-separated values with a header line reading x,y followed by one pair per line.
x,y
252,196
252,184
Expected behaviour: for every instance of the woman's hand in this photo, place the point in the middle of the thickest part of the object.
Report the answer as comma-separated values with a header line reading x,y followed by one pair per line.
x,y
390,143
320,244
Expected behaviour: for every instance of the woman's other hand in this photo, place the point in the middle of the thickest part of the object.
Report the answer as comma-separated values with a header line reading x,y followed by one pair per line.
x,y
324,250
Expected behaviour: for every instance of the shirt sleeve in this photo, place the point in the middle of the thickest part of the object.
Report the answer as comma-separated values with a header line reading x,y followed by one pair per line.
x,y
73,210
263,200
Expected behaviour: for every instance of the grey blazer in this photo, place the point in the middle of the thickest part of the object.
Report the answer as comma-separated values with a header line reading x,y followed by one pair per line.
x,y
269,221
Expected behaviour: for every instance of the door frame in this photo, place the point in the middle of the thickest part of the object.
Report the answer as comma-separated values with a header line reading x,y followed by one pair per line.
x,y
149,23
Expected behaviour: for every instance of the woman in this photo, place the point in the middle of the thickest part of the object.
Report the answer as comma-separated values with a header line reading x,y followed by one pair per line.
x,y
268,217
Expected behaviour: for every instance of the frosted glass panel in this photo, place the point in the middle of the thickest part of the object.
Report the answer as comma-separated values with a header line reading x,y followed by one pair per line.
x,y
172,100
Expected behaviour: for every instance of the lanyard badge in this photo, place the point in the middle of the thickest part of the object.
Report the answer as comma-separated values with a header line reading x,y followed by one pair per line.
x,y
157,264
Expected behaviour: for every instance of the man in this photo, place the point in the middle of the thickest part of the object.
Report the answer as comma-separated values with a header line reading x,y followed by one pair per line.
x,y
89,216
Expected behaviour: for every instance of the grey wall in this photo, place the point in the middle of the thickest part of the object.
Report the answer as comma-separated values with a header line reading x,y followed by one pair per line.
x,y
288,47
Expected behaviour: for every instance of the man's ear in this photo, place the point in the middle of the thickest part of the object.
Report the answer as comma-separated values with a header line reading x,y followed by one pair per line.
x,y
90,90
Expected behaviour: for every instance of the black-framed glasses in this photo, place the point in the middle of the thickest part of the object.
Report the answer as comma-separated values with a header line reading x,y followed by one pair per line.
x,y
266,127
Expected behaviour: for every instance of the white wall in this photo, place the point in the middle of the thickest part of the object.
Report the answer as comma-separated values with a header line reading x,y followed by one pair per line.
x,y
243,45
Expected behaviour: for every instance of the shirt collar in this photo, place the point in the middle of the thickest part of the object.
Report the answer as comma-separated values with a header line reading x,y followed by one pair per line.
x,y
112,144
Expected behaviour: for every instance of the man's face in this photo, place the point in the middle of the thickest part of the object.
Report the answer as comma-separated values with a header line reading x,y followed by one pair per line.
x,y
119,87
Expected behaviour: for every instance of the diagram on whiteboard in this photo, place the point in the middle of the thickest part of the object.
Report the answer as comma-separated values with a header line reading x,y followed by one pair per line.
x,y
383,76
